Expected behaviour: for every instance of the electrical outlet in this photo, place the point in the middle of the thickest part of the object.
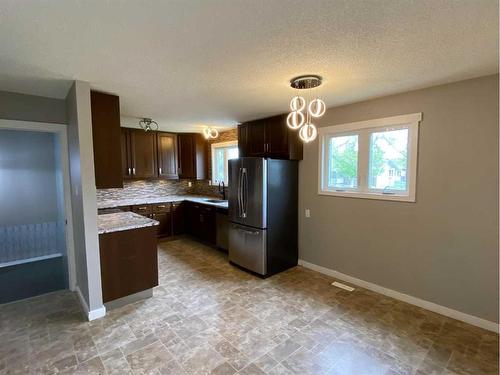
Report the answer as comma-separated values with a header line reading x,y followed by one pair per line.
x,y
210,183
308,212
190,184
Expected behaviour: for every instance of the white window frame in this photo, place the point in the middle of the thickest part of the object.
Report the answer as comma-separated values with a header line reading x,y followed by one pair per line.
x,y
215,146
363,129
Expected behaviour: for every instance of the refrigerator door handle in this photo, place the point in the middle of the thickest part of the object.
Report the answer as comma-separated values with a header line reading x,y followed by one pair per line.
x,y
244,192
239,193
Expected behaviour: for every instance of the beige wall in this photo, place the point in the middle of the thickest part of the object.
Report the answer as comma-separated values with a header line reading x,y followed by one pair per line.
x,y
444,247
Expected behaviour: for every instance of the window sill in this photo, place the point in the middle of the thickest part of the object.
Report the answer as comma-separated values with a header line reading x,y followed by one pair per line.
x,y
364,195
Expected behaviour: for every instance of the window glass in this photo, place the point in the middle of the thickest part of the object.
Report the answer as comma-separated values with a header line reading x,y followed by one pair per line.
x,y
220,157
218,173
343,162
388,160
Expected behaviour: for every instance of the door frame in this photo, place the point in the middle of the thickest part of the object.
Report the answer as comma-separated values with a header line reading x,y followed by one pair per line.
x,y
61,131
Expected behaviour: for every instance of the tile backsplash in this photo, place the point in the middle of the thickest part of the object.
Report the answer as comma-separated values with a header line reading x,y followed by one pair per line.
x,y
154,188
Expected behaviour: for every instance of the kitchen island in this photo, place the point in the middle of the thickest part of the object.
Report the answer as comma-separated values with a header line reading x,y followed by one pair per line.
x,y
128,255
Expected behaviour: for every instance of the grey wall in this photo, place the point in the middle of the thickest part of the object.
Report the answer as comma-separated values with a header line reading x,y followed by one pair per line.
x,y
28,188
444,247
15,106
83,194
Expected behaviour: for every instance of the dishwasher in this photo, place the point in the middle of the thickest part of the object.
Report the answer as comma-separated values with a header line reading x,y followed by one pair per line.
x,y
222,233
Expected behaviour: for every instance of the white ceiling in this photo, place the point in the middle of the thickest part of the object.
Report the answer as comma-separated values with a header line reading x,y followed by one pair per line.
x,y
189,63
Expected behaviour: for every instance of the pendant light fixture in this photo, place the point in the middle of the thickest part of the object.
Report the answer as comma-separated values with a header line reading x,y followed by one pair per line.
x,y
210,133
148,124
313,107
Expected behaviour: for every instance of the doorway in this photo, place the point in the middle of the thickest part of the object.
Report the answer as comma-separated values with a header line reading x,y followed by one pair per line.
x,y
36,242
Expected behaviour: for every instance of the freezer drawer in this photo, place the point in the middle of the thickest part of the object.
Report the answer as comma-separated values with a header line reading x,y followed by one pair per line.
x,y
247,248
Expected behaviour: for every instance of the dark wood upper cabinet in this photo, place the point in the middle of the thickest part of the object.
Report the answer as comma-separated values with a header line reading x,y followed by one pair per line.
x,y
167,155
243,139
126,154
256,138
105,111
143,153
192,156
277,138
269,137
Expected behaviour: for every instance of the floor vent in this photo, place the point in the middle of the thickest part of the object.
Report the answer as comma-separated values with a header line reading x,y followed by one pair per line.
x,y
343,286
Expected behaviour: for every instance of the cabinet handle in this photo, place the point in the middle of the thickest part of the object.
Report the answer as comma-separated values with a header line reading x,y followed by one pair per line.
x,y
133,171
159,170
161,206
142,208
129,171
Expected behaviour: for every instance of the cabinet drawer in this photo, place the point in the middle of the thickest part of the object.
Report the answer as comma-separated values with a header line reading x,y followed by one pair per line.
x,y
161,207
143,209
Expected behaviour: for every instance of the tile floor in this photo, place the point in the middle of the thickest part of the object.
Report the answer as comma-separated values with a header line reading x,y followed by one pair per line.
x,y
209,317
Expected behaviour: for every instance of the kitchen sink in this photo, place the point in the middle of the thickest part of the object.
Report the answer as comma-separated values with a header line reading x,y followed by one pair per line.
x,y
215,200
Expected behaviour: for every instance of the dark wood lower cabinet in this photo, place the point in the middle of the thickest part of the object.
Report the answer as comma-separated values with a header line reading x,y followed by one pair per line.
x,y
201,222
178,218
129,262
165,219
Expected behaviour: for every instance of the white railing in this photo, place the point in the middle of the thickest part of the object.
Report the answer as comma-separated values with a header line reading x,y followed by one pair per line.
x,y
24,242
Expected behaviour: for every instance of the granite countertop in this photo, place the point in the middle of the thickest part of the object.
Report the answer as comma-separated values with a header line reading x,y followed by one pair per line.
x,y
107,223
112,203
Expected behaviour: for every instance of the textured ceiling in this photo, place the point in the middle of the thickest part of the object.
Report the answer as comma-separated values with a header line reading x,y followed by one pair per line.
x,y
190,63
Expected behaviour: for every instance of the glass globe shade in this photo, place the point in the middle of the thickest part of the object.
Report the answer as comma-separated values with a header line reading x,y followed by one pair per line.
x,y
308,133
297,103
295,120
213,133
317,107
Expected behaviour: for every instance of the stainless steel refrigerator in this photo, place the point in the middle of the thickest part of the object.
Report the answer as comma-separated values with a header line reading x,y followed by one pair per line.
x,y
263,199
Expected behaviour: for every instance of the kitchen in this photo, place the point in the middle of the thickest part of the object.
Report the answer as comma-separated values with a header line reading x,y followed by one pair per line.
x,y
242,187
147,178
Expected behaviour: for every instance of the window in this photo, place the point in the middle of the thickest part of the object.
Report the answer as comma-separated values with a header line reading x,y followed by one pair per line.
x,y
221,153
374,159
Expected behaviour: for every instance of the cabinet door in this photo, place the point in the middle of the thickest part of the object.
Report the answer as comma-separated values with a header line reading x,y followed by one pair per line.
x,y
126,154
143,146
208,224
129,262
167,155
178,218
256,145
165,219
277,138
105,110
194,220
243,140
187,161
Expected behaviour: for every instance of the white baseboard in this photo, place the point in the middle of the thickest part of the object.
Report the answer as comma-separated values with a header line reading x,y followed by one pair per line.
x,y
90,314
446,311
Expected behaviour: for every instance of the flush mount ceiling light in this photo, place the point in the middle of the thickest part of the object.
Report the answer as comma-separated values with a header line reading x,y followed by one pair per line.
x,y
210,133
314,107
148,124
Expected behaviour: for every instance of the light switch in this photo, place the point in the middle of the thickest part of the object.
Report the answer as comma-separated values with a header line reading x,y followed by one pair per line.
x,y
308,212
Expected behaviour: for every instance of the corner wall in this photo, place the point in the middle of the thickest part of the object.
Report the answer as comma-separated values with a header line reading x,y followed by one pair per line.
x,y
84,205
443,248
